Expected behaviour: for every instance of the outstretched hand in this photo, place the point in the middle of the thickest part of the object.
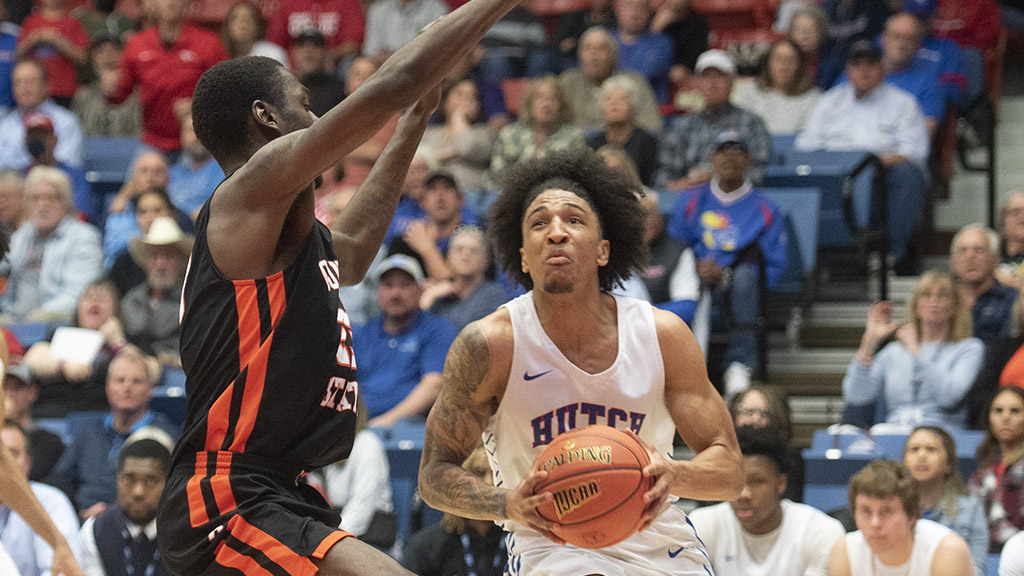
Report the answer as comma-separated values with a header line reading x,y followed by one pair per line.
x,y
521,505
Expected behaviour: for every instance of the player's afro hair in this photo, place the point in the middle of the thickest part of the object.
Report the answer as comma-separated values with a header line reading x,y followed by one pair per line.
x,y
222,101
611,193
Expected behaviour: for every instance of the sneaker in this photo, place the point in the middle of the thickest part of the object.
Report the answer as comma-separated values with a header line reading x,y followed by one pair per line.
x,y
737,379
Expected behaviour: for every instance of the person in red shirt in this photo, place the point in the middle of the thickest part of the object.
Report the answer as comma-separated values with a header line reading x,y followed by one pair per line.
x,y
342,22
57,40
165,61
974,24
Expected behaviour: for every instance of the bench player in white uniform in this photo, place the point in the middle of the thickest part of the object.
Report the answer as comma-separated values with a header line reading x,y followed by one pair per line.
x,y
891,538
568,354
760,534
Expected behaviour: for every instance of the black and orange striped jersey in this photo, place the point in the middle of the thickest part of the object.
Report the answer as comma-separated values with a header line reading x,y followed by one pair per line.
x,y
269,363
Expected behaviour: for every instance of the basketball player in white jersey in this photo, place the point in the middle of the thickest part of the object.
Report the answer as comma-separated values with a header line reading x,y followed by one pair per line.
x,y
568,354
891,538
760,534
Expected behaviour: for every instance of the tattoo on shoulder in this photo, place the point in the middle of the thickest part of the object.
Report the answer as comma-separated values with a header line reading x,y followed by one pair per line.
x,y
467,362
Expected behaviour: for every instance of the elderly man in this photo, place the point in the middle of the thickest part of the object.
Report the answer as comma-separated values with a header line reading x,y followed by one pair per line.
x,y
32,94
640,49
901,42
149,170
599,61
1011,217
868,113
684,154
44,447
973,259
53,256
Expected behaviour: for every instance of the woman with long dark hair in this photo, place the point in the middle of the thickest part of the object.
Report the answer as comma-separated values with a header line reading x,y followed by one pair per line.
x,y
999,480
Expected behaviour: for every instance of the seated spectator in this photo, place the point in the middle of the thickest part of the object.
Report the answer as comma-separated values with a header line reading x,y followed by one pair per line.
x,y
54,38
121,540
766,406
98,116
151,309
242,34
761,532
409,209
392,23
359,162
572,25
1011,218
44,447
684,152
427,239
641,50
890,531
689,33
41,143
8,45
973,27
808,30
901,41
459,545
731,225
468,295
582,86
924,373
544,124
312,66
154,203
53,256
402,351
999,479
30,552
515,47
196,174
973,258
868,113
148,171
930,455
32,94
12,200
101,18
850,21
70,386
88,467
619,97
462,141
342,22
783,93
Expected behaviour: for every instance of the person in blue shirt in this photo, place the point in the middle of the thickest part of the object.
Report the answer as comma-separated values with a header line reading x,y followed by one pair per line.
x,y
961,68
901,42
196,174
729,225
401,352
8,39
641,50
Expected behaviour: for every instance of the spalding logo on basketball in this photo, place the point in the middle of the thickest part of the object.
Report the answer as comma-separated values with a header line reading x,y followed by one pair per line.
x,y
595,475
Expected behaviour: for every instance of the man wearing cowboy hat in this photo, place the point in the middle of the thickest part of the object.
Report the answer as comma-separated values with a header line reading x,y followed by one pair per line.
x,y
151,308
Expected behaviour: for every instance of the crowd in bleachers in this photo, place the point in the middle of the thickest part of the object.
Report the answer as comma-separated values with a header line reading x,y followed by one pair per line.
x,y
694,98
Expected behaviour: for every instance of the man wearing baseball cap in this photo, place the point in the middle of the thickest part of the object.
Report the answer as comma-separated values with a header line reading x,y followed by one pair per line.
x,y
41,143
401,352
32,94
684,154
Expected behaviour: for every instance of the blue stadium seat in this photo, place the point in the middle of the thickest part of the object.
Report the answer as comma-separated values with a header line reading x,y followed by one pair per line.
x,y
171,402
782,145
107,161
29,333
992,565
802,209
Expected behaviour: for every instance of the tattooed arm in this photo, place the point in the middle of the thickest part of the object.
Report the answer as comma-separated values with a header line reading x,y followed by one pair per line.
x,y
474,379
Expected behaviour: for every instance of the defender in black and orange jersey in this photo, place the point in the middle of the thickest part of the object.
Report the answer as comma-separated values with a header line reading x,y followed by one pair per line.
x,y
265,343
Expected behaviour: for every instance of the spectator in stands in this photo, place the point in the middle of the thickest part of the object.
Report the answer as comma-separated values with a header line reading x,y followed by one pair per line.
x,y
808,30
890,531
401,352
125,273
44,447
468,295
89,465
151,309
195,175
311,65
392,23
957,85
32,94
54,38
342,22
642,50
121,540
924,373
8,43
572,25
53,256
973,259
972,26
545,123
766,406
619,97
165,62
69,386
409,209
462,141
850,21
427,239
582,86
999,479
30,552
761,532
102,18
242,34
149,170
1011,219
459,545
901,41
12,200
1003,366
689,33
684,152
98,116
41,143
514,47
730,225
930,455
868,113
783,94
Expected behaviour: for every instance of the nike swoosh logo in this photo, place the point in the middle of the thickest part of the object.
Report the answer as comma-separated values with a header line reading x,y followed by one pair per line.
x,y
527,376
672,554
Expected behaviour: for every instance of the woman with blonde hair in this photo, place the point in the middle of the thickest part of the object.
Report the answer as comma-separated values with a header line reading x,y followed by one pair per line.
x,y
924,372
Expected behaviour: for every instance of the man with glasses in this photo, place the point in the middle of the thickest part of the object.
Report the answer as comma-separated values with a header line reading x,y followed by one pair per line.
x,y
973,259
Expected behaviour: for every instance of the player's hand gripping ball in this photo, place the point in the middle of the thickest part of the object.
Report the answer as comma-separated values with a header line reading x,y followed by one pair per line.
x,y
596,477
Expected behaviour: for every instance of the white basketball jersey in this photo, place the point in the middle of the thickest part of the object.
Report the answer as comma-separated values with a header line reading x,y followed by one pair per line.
x,y
730,555
927,536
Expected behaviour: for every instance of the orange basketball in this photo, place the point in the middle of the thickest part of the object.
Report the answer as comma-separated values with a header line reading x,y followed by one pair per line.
x,y
595,475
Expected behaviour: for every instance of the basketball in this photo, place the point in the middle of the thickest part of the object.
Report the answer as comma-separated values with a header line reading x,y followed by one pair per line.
x,y
596,477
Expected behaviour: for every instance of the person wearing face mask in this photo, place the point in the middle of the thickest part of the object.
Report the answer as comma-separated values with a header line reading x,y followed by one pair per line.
x,y
41,143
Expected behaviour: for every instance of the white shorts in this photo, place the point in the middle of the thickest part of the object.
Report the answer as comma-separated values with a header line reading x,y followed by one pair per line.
x,y
669,547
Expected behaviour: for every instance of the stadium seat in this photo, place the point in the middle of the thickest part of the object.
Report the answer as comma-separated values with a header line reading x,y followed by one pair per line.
x,y
29,333
106,162
802,209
